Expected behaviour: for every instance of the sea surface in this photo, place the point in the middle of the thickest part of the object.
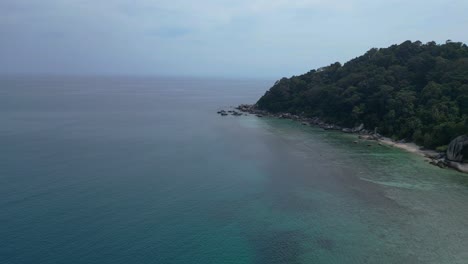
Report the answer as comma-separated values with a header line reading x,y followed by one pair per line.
x,y
142,170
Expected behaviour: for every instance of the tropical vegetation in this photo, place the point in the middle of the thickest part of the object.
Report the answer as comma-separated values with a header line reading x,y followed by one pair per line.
x,y
412,91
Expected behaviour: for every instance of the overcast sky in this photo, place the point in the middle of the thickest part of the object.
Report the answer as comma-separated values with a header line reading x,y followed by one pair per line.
x,y
221,38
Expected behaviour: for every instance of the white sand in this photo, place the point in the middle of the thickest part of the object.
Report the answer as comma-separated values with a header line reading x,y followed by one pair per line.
x,y
410,147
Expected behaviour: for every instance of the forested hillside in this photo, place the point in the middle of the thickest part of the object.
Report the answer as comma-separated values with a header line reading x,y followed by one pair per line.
x,y
410,91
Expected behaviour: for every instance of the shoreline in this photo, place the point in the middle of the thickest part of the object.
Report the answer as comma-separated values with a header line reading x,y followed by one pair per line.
x,y
410,147
433,157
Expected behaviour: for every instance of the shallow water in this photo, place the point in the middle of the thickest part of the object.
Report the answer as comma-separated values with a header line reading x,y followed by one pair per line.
x,y
142,170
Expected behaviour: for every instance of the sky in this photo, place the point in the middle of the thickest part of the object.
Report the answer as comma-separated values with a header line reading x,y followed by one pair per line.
x,y
212,38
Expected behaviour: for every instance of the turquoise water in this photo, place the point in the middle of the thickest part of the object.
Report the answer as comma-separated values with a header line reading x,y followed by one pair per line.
x,y
135,170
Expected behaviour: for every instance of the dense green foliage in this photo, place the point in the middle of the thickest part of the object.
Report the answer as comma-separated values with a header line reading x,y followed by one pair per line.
x,y
410,91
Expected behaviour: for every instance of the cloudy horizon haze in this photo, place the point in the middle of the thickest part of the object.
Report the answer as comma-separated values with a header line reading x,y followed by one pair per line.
x,y
254,39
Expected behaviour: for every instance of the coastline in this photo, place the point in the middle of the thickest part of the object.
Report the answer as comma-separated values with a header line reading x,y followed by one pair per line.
x,y
410,147
433,157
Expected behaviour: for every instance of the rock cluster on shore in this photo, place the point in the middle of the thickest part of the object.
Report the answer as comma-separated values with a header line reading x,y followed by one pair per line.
x,y
456,152
314,121
232,112
453,157
456,148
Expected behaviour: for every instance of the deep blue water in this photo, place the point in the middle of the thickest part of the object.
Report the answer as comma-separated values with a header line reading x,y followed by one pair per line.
x,y
143,170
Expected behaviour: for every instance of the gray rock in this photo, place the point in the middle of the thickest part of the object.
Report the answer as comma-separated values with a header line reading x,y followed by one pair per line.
x,y
456,148
358,128
441,164
462,167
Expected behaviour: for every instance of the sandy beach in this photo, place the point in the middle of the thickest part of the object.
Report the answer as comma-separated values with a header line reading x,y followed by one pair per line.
x,y
410,147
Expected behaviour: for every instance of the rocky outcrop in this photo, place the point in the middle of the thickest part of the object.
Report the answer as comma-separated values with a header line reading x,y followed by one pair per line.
x,y
232,112
456,148
456,151
462,167
223,113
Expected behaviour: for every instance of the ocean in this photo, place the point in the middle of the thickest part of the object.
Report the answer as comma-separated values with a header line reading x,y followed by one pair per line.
x,y
143,170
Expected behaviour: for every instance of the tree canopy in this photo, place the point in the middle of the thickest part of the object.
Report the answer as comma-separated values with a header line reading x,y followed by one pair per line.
x,y
411,91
